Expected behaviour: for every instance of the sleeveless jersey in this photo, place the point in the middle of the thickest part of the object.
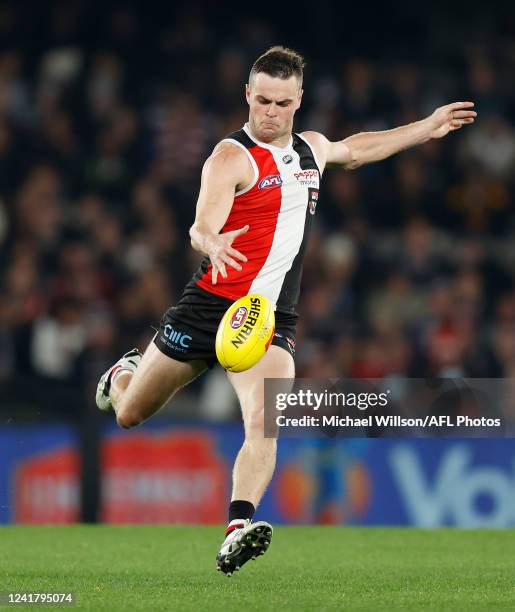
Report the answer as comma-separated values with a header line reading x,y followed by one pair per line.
x,y
278,205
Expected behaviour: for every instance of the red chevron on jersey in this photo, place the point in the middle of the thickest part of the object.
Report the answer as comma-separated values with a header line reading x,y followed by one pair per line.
x,y
259,209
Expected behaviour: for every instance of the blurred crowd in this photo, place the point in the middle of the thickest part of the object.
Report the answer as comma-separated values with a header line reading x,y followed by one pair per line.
x,y
104,128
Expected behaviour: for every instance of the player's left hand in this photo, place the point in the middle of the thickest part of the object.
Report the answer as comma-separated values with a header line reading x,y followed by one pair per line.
x,y
451,117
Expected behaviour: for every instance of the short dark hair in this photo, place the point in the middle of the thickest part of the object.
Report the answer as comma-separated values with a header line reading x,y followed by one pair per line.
x,y
279,62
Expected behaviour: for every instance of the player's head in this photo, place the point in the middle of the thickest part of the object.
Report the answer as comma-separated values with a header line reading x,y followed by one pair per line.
x,y
274,92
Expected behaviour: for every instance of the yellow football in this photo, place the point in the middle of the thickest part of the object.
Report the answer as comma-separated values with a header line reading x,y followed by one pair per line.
x,y
245,332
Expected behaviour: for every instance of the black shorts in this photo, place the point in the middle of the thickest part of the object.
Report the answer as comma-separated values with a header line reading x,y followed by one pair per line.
x,y
188,330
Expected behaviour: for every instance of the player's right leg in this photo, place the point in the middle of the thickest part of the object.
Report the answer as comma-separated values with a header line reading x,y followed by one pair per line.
x,y
136,387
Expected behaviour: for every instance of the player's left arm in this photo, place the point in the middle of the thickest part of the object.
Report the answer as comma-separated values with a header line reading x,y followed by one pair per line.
x,y
367,147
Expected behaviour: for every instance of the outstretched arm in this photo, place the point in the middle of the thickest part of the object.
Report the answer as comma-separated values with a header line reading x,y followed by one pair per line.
x,y
369,147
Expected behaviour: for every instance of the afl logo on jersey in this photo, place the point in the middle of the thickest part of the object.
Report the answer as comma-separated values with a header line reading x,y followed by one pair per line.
x,y
272,180
287,159
239,317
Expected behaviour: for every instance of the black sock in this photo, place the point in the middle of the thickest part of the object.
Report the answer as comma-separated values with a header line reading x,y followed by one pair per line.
x,y
240,509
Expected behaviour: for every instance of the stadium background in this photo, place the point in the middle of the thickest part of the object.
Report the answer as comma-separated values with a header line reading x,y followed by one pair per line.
x,y
106,115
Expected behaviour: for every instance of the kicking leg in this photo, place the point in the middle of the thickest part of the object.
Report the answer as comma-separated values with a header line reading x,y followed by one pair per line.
x,y
143,384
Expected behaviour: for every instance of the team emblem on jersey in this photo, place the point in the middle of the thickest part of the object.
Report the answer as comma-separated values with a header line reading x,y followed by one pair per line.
x,y
239,317
287,159
313,200
272,180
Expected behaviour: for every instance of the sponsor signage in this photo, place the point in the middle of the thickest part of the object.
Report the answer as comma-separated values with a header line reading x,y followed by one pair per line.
x,y
165,474
175,477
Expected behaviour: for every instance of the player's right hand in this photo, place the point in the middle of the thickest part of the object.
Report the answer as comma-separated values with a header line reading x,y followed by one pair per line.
x,y
221,253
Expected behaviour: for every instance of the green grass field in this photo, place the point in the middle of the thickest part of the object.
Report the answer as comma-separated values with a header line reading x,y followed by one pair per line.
x,y
306,568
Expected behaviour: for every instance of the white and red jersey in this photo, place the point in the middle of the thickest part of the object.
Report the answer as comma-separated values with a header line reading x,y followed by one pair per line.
x,y
278,205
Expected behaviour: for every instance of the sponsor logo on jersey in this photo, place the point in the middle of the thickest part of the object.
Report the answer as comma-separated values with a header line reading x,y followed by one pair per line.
x,y
272,180
239,317
313,200
287,159
307,178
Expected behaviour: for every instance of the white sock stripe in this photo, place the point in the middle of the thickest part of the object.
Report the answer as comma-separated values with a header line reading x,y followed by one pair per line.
x,y
238,521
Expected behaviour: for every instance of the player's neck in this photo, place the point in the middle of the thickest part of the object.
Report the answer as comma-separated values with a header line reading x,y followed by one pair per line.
x,y
281,142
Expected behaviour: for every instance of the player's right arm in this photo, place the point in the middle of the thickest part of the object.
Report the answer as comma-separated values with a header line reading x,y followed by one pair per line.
x,y
225,172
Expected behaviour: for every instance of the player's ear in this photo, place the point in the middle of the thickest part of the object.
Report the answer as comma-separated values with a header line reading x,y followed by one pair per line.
x,y
299,98
247,93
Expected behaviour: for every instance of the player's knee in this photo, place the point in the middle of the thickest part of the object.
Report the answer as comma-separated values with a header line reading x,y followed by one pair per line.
x,y
255,425
264,447
128,419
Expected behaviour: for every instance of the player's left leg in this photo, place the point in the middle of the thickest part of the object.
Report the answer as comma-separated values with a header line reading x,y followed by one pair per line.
x,y
255,463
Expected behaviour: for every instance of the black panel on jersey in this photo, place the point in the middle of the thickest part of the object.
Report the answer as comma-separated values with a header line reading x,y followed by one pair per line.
x,y
289,295
243,138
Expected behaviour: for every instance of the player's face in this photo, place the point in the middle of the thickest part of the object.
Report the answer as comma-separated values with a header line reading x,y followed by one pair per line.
x,y
273,102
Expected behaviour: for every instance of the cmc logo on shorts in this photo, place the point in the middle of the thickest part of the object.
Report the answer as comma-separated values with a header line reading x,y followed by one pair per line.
x,y
239,317
177,337
272,180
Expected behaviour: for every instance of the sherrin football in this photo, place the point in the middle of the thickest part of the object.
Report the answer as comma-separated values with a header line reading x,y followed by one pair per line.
x,y
245,332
